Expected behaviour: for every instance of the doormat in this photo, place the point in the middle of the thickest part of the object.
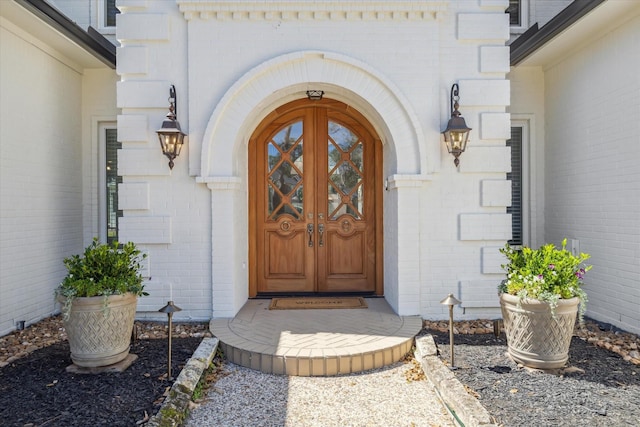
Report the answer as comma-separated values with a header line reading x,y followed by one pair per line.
x,y
316,303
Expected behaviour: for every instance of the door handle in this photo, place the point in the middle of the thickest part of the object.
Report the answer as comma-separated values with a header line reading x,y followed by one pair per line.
x,y
310,232
321,233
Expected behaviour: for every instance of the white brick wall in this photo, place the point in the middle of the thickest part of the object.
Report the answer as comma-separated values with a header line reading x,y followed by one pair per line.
x,y
394,62
99,111
143,26
485,227
133,60
133,196
495,126
592,154
485,159
478,26
527,109
143,161
143,94
45,151
78,11
484,92
479,294
234,64
132,128
538,11
494,59
492,260
86,13
542,11
495,192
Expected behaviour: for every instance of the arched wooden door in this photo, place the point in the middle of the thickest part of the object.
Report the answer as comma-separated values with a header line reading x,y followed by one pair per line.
x,y
315,222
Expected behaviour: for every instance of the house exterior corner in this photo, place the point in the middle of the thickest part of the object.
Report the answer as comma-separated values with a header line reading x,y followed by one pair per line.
x,y
314,161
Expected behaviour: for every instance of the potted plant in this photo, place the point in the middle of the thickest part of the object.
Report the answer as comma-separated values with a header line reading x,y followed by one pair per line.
x,y
99,296
539,300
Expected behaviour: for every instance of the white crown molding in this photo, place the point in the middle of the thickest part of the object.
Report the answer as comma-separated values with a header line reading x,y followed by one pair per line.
x,y
297,10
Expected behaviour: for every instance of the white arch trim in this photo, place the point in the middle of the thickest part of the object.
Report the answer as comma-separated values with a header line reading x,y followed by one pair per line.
x,y
282,78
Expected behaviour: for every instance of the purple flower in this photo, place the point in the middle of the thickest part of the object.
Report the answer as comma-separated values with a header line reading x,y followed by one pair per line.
x,y
580,273
552,266
540,276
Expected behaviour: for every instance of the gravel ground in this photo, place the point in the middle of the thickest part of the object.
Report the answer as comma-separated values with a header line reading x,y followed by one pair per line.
x,y
397,395
597,388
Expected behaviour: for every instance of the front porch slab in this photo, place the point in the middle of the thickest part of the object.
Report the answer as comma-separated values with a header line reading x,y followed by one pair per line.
x,y
316,342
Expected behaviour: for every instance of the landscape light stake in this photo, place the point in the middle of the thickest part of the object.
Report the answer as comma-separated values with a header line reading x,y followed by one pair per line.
x,y
170,308
450,300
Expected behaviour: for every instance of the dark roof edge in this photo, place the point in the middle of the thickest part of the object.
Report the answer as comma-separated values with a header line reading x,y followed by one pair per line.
x,y
92,41
532,39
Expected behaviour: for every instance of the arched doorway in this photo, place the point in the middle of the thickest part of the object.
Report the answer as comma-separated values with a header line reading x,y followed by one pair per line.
x,y
315,202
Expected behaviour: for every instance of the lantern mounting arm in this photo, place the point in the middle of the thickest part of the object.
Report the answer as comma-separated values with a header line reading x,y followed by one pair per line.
x,y
453,101
173,100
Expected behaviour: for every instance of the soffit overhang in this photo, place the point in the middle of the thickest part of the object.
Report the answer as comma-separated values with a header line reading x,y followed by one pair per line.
x,y
52,28
548,45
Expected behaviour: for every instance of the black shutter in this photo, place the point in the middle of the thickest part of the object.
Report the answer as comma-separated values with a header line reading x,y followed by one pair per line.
x,y
516,185
113,179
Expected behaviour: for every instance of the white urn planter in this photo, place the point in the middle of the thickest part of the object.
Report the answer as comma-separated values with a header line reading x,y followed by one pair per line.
x,y
100,335
535,337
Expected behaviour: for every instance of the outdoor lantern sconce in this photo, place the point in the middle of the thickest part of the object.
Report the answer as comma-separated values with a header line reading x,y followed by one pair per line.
x,y
450,300
169,309
456,134
170,135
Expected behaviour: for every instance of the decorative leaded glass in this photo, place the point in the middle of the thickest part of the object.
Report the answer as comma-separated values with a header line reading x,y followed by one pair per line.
x,y
285,162
345,183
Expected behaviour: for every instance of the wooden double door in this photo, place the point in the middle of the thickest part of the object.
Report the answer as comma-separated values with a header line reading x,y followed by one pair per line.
x,y
315,222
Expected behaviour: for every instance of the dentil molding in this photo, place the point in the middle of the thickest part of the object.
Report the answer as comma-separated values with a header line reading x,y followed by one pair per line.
x,y
425,10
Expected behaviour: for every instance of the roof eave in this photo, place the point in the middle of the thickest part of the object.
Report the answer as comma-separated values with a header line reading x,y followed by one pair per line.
x,y
534,38
91,41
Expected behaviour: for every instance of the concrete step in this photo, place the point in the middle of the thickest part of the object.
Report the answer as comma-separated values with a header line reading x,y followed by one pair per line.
x,y
316,342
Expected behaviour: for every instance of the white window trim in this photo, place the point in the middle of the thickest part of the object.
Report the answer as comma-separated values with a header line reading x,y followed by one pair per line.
x,y
524,18
529,179
100,18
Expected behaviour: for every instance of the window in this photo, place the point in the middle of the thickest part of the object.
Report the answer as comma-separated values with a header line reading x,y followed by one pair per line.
x,y
110,13
107,12
111,183
515,176
518,14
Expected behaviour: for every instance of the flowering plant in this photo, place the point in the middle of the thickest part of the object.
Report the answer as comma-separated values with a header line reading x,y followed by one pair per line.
x,y
547,274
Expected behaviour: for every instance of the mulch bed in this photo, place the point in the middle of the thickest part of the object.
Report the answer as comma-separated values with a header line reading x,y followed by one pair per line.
x,y
37,391
598,387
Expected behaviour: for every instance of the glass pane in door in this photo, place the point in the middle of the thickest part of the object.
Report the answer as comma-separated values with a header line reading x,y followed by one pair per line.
x,y
345,168
285,189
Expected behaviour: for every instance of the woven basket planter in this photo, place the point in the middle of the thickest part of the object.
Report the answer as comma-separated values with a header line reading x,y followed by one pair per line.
x,y
536,338
99,336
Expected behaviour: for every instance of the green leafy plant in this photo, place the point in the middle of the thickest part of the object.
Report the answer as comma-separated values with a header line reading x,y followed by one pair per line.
x,y
546,274
102,270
